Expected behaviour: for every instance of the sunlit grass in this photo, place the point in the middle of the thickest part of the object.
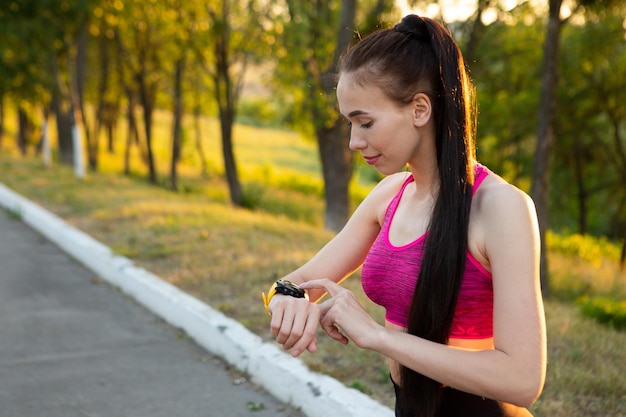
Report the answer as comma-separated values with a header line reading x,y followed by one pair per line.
x,y
581,265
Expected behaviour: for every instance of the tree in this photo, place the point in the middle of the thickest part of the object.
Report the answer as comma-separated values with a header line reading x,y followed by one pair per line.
x,y
590,157
181,43
505,72
141,33
33,47
547,111
233,36
545,134
310,38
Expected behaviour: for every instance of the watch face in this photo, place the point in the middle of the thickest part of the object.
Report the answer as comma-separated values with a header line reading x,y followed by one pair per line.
x,y
289,288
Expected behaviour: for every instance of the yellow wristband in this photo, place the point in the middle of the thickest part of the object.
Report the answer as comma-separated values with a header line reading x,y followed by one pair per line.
x,y
268,298
285,287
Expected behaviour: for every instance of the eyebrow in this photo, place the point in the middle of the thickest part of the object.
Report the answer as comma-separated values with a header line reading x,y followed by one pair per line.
x,y
356,113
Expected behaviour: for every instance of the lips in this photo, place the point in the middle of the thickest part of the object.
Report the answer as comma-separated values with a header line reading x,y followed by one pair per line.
x,y
371,160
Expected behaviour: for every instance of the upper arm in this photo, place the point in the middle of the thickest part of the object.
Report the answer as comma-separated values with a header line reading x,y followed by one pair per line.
x,y
346,252
513,249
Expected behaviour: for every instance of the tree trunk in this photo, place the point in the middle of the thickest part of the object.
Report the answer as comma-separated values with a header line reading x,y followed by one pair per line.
x,y
198,135
78,86
63,116
547,110
475,34
103,109
109,121
226,99
61,105
333,144
147,102
580,185
129,138
1,117
177,128
622,259
337,166
132,132
24,131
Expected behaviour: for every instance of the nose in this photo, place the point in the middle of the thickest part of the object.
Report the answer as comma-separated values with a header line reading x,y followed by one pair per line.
x,y
356,141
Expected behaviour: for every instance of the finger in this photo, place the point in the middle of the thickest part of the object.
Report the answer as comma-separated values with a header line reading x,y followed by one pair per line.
x,y
307,340
329,286
281,326
332,329
297,328
276,322
312,346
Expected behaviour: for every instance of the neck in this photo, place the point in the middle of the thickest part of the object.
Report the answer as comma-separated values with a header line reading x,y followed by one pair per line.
x,y
426,177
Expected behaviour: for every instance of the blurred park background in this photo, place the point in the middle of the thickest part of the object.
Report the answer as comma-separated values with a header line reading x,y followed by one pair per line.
x,y
202,140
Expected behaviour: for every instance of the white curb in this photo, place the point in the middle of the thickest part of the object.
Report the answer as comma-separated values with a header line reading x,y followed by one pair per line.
x,y
286,378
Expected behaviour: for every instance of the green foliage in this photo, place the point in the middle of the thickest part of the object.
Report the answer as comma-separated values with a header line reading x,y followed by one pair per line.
x,y
263,112
604,310
15,213
583,265
588,163
35,36
359,385
589,248
255,406
252,195
505,70
287,180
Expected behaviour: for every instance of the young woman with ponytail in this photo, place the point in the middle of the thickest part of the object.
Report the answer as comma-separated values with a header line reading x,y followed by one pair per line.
x,y
448,248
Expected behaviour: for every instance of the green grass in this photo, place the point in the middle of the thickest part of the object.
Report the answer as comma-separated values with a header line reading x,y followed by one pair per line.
x,y
227,256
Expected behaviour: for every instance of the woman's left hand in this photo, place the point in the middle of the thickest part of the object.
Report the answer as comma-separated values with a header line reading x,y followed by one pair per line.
x,y
342,316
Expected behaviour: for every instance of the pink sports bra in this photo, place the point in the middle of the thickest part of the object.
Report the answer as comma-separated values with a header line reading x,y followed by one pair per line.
x,y
389,275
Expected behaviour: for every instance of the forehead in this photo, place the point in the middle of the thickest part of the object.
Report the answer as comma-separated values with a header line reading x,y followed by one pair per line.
x,y
353,95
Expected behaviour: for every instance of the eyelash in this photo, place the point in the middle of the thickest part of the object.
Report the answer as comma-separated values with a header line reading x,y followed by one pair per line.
x,y
364,125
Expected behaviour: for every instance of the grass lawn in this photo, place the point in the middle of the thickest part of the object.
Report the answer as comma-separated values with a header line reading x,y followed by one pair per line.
x,y
227,256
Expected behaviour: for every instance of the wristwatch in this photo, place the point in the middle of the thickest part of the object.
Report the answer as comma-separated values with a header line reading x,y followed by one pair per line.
x,y
285,287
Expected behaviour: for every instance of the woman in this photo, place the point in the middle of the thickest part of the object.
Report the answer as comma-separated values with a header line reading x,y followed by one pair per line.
x,y
449,248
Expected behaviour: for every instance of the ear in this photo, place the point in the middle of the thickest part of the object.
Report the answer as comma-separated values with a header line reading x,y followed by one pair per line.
x,y
421,108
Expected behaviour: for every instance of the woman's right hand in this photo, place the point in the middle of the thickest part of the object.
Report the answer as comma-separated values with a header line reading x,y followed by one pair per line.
x,y
294,323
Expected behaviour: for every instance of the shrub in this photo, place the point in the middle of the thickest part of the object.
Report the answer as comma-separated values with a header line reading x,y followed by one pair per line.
x,y
590,248
605,311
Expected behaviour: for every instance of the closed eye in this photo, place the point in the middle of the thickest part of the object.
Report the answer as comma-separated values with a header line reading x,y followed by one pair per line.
x,y
362,125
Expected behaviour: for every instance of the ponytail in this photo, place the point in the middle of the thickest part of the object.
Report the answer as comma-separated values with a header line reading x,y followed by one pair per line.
x,y
418,52
439,282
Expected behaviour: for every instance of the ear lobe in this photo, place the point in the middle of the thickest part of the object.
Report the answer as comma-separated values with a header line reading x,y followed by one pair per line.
x,y
422,109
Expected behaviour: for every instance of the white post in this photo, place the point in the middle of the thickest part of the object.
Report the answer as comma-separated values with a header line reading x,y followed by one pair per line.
x,y
79,166
45,143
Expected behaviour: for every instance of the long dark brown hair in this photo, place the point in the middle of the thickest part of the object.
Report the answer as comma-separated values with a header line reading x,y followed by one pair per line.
x,y
420,55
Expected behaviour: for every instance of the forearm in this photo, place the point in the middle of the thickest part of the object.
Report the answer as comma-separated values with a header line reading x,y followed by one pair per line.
x,y
489,373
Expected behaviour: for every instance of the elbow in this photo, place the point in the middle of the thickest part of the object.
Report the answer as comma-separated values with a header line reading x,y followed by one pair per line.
x,y
528,398
527,392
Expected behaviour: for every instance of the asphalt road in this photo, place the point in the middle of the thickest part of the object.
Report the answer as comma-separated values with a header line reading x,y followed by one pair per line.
x,y
71,345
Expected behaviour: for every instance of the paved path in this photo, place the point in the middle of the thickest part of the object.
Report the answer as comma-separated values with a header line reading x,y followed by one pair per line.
x,y
71,345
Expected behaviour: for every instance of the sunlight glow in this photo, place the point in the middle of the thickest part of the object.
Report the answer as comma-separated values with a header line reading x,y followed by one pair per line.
x,y
450,10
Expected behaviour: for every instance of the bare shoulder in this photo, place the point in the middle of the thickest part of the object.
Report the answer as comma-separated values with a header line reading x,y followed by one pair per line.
x,y
379,198
497,199
392,182
504,225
